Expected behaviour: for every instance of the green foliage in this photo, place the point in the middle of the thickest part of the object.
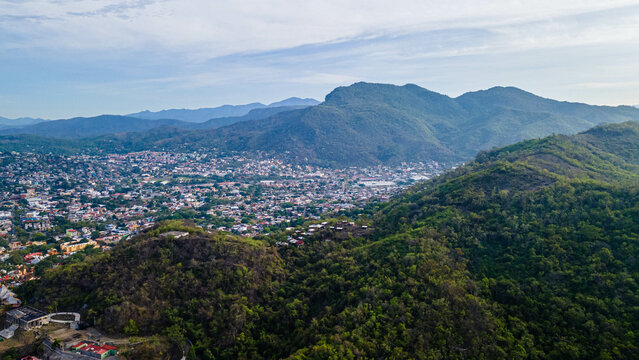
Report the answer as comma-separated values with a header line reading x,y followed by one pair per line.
x,y
549,228
131,328
11,354
176,287
530,252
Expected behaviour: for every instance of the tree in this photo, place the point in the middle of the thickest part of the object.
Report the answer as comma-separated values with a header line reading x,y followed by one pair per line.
x,y
131,328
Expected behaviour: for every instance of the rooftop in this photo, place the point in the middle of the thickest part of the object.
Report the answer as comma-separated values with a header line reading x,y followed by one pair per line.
x,y
26,313
175,234
92,347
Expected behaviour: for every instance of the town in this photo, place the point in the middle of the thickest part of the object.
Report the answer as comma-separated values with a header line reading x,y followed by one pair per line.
x,y
58,209
54,209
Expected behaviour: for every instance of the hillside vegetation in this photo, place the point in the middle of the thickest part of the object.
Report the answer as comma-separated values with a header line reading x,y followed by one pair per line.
x,y
529,252
359,125
366,124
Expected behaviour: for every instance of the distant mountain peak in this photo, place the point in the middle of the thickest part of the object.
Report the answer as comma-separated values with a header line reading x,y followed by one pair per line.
x,y
224,111
503,90
361,92
23,121
295,101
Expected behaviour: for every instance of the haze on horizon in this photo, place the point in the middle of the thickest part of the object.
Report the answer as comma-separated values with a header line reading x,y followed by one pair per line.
x,y
65,58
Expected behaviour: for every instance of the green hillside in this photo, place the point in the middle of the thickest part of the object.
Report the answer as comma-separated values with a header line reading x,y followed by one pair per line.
x,y
359,125
549,229
91,127
529,252
366,124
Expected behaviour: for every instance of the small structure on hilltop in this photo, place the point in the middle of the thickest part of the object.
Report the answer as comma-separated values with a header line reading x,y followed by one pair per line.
x,y
175,234
71,318
27,318
94,350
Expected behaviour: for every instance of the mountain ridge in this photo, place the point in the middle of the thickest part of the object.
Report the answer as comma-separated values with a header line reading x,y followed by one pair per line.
x,y
22,121
81,127
368,124
381,123
104,125
225,111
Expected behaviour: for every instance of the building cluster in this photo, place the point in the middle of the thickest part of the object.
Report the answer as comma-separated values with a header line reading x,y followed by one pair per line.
x,y
326,231
52,206
27,318
94,350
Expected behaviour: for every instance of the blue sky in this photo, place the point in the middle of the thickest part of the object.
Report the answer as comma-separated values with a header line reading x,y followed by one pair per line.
x,y
64,58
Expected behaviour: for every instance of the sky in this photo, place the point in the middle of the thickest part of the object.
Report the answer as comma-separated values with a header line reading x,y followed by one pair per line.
x,y
66,58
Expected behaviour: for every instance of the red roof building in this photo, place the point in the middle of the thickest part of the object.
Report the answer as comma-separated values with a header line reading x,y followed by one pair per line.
x,y
94,350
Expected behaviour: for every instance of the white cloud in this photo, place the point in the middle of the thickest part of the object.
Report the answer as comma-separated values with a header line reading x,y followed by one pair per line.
x,y
209,29
70,57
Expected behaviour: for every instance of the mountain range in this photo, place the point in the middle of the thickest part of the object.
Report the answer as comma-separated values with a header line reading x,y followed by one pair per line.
x,y
81,127
91,127
376,123
362,124
205,118
24,121
528,252
254,114
225,111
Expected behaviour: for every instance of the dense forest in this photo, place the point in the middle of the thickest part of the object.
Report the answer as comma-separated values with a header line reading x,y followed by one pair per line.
x,y
530,251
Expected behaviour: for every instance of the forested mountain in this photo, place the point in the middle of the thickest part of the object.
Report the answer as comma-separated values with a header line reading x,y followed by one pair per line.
x,y
377,123
359,125
110,127
530,251
115,124
375,130
91,127
505,115
224,111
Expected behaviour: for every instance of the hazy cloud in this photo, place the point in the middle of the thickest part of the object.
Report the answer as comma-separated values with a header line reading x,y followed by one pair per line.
x,y
119,56
121,9
217,28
